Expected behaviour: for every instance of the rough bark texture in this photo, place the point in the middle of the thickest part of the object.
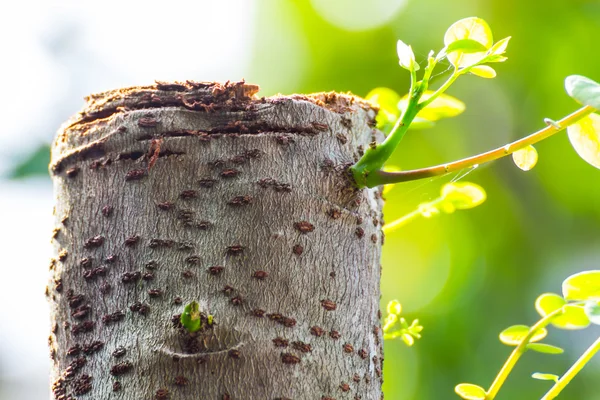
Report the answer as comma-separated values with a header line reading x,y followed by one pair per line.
x,y
171,193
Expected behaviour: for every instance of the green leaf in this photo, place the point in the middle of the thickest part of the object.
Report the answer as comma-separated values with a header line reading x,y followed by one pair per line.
x,y
406,56
35,164
583,90
525,158
582,286
544,348
408,339
387,101
465,46
499,47
190,318
592,310
547,303
484,71
573,317
515,334
492,59
394,307
462,195
444,106
585,138
545,377
468,28
468,391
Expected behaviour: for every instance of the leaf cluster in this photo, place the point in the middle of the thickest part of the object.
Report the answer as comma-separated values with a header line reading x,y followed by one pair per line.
x,y
577,308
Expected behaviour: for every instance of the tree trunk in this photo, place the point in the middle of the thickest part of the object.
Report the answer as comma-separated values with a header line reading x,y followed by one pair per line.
x,y
172,193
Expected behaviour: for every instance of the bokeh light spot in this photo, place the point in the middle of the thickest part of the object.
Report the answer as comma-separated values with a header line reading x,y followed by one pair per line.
x,y
358,15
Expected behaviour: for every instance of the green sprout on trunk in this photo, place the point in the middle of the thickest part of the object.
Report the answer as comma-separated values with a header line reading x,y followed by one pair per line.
x,y
191,318
395,326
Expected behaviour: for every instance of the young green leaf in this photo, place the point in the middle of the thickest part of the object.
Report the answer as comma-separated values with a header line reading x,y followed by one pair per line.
x,y
592,310
582,286
406,56
499,47
513,335
492,59
389,322
408,339
547,303
484,71
190,318
545,377
525,158
444,106
462,195
573,317
468,28
544,348
394,307
585,138
387,101
583,90
466,46
468,391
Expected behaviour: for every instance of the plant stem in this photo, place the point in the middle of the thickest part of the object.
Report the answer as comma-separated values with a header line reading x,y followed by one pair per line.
x,y
441,89
392,226
516,354
379,177
574,370
374,157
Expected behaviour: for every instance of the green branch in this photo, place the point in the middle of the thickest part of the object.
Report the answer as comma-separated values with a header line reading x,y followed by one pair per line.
x,y
377,155
574,370
380,177
517,353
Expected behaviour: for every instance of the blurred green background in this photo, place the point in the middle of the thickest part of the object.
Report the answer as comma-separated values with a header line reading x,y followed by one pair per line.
x,y
466,276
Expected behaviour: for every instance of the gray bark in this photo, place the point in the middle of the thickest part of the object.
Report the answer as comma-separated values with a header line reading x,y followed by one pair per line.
x,y
171,193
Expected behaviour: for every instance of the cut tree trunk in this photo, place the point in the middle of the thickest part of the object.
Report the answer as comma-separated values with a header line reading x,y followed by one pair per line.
x,y
174,193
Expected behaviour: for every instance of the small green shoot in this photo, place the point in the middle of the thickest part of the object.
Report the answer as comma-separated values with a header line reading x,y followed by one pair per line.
x,y
469,47
454,196
190,318
395,326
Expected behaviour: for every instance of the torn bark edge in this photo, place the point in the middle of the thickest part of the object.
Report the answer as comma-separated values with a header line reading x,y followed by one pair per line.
x,y
200,96
195,96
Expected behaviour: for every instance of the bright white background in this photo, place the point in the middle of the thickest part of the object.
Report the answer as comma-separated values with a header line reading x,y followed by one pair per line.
x,y
53,53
